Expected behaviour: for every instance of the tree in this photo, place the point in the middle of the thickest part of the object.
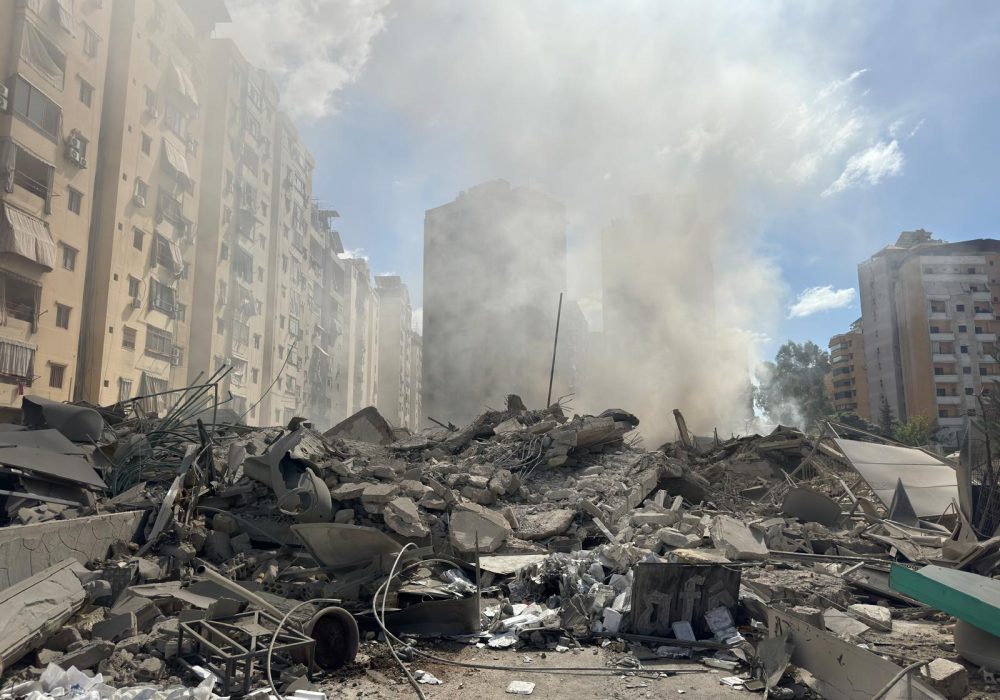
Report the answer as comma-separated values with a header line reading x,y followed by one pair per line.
x,y
916,431
791,390
885,418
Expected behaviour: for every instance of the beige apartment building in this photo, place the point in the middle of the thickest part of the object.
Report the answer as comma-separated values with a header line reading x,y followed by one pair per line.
x,y
285,339
358,387
51,98
416,419
847,382
930,327
140,281
396,360
234,228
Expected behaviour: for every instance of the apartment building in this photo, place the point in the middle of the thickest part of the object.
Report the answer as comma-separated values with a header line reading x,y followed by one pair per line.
x,y
51,101
940,350
139,276
847,382
285,342
234,225
494,266
325,354
357,388
416,418
395,357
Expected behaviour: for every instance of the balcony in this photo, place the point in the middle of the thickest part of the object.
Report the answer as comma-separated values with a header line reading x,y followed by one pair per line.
x,y
952,422
981,296
983,316
991,337
944,357
949,336
939,316
944,400
946,378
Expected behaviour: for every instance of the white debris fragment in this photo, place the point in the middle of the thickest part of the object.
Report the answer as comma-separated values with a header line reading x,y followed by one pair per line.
x,y
427,678
521,688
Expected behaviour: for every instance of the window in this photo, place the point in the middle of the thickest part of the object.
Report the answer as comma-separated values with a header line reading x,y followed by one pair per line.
x,y
31,105
56,375
943,413
241,333
124,389
937,307
941,392
68,257
162,298
86,92
959,307
935,329
154,54
180,311
220,326
128,339
982,372
260,274
962,328
62,316
224,252
150,100
166,254
293,326
243,265
137,236
159,343
222,289
33,175
256,341
147,143
938,371
74,201
90,41
966,370
964,349
174,119
133,286
255,374
970,270
968,391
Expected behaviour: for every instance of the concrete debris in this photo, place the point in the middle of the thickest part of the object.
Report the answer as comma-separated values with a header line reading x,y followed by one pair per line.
x,y
767,557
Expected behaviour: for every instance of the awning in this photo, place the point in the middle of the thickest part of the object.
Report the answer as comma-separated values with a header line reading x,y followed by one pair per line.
x,y
176,159
148,384
930,483
64,13
25,235
184,85
35,51
175,254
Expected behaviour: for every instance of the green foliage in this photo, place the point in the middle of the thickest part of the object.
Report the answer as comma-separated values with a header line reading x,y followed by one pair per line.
x,y
853,420
885,418
916,431
791,390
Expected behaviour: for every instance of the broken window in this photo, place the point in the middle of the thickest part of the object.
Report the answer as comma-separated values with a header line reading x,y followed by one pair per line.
x,y
21,299
167,253
28,172
241,333
243,265
162,298
174,119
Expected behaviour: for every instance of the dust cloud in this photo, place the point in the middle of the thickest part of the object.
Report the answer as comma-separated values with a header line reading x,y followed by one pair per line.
x,y
671,132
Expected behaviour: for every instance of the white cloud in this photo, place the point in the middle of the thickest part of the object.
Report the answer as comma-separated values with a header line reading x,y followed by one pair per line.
x,y
816,299
871,166
418,320
354,254
312,48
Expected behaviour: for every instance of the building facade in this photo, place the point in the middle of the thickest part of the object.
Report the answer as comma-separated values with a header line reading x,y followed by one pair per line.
x,y
140,271
494,266
847,382
942,349
51,101
396,359
234,228
358,387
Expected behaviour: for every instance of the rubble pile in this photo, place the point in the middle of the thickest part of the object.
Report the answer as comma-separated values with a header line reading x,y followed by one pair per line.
x,y
195,557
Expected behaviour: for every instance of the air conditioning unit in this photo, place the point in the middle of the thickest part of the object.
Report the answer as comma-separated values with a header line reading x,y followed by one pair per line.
x,y
136,302
139,200
83,162
3,97
176,357
153,112
74,155
74,140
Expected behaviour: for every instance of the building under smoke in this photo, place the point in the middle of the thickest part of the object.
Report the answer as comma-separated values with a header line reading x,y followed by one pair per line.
x,y
494,265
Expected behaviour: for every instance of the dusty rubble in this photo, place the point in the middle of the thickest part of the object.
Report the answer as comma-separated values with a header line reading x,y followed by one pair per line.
x,y
203,558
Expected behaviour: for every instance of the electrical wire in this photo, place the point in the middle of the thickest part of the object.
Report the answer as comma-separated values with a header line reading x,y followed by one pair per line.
x,y
277,631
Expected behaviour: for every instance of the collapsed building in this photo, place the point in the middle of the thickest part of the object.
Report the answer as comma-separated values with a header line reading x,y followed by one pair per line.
x,y
174,554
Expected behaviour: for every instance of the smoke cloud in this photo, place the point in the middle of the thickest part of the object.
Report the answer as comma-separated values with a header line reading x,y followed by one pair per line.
x,y
720,113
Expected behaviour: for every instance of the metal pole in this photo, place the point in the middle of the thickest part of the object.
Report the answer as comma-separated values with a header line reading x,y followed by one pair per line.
x,y
555,344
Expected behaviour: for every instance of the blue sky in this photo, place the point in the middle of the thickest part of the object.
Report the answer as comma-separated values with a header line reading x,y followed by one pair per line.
x,y
425,99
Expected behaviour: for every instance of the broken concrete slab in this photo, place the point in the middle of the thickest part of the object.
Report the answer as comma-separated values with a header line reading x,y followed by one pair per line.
x,y
402,516
469,520
876,616
663,594
843,625
541,526
735,540
949,678
87,656
367,425
379,494
37,607
116,627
